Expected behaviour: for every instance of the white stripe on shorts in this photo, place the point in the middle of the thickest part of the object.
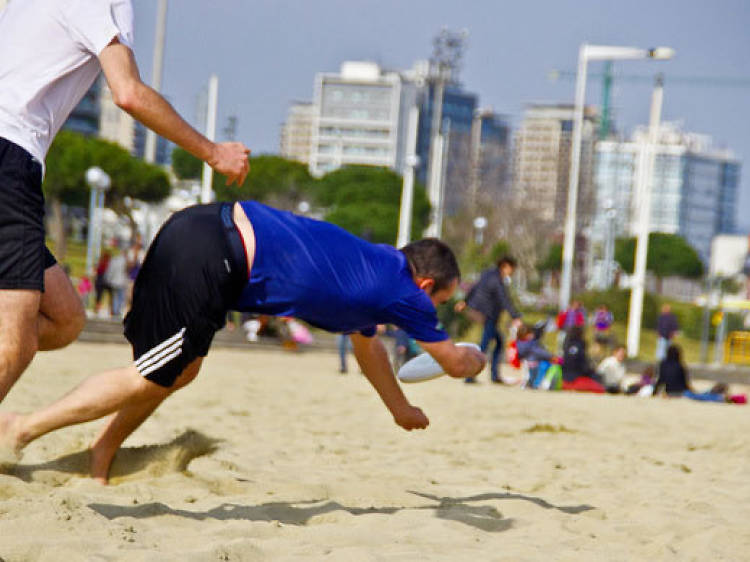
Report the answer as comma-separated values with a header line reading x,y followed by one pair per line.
x,y
156,353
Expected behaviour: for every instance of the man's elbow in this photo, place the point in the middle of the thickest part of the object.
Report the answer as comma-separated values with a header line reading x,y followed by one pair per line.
x,y
127,97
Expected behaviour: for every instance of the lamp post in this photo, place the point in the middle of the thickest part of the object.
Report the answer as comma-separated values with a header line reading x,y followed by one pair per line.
x,y
643,191
99,183
480,223
407,192
585,54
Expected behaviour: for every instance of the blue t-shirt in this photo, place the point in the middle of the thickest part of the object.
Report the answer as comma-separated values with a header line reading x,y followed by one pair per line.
x,y
324,275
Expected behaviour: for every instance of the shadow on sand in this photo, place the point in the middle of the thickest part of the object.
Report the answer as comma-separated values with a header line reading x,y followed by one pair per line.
x,y
483,517
149,460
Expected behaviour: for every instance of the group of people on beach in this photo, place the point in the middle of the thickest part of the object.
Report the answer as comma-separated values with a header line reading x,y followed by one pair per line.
x,y
206,259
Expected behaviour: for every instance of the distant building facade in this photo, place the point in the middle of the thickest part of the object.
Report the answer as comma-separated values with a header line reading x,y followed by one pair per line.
x,y
541,162
296,132
694,187
84,118
491,156
357,117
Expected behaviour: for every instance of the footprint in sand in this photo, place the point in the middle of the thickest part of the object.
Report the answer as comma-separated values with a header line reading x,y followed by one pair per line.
x,y
131,463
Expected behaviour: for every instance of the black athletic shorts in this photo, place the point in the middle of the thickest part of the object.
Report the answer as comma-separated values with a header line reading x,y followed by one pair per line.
x,y
193,273
23,255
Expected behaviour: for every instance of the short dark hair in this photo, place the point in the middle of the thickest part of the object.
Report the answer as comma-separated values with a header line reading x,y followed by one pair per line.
x,y
507,260
434,259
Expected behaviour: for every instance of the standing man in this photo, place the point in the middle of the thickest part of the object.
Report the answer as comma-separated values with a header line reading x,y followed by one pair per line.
x,y
50,54
667,328
486,301
208,259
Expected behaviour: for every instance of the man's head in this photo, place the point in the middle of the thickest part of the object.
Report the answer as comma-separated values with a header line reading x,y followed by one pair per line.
x,y
666,309
434,268
506,265
619,353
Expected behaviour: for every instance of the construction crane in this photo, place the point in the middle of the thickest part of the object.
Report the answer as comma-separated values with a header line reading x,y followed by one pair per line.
x,y
608,76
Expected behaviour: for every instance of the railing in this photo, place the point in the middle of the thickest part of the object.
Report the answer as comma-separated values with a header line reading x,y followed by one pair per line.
x,y
737,348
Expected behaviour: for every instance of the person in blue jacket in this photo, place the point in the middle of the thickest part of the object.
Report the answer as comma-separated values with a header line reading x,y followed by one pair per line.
x,y
208,259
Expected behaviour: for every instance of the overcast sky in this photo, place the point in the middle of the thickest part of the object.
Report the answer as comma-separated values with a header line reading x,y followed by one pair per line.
x,y
267,52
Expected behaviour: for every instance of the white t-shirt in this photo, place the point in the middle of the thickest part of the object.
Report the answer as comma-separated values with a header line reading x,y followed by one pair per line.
x,y
48,61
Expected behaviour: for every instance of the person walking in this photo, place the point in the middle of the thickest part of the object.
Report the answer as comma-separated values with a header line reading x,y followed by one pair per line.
x,y
485,303
50,54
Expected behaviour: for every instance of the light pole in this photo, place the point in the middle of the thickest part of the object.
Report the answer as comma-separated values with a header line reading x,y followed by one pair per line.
x,y
643,189
407,191
99,183
480,223
207,194
585,54
156,72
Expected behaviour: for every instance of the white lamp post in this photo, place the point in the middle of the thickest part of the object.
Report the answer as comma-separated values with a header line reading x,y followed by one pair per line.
x,y
480,223
99,183
585,54
643,191
407,191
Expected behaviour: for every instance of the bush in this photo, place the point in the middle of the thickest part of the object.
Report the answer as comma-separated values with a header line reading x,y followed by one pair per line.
x,y
618,301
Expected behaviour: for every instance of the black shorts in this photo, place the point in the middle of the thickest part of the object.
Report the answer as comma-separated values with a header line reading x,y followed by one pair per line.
x,y
193,274
23,255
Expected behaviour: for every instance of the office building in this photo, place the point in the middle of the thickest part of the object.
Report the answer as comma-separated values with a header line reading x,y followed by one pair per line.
x,y
296,132
357,117
693,187
541,163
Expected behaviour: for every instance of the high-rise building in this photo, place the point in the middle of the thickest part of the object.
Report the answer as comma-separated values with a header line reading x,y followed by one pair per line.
x,y
296,132
84,118
541,162
693,187
490,156
357,116
163,155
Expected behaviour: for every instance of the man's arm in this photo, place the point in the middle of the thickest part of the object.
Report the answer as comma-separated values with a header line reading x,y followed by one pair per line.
x,y
151,109
506,302
458,362
373,359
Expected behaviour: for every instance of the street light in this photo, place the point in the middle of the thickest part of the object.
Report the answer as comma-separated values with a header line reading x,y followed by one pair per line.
x,y
99,182
585,54
643,191
480,223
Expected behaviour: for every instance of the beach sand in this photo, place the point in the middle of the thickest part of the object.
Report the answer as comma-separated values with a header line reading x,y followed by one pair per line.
x,y
275,456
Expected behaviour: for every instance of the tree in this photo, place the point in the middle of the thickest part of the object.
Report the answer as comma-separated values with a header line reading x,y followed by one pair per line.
x,y
366,200
272,179
186,166
552,262
668,254
71,154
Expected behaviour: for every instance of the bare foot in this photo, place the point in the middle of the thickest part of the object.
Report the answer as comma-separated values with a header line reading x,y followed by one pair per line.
x,y
99,464
10,437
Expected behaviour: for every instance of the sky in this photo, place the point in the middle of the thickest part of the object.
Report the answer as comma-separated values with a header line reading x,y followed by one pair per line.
x,y
266,54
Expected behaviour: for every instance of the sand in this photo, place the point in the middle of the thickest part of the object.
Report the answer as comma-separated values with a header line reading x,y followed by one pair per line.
x,y
275,456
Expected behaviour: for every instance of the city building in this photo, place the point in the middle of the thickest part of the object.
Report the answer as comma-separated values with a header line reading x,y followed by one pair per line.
x,y
358,114
694,187
84,118
541,162
163,155
491,156
296,132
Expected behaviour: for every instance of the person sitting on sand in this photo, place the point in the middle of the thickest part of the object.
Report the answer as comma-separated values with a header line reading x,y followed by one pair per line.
x,y
672,374
531,350
612,370
208,259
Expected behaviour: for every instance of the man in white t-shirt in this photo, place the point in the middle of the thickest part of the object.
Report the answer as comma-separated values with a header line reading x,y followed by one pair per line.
x,y
50,54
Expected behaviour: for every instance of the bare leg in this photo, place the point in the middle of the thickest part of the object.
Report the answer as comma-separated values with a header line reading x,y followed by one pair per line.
x,y
125,421
95,397
61,314
18,334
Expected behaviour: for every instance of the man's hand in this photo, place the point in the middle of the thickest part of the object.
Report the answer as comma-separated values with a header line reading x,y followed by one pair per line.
x,y
459,306
230,159
458,361
411,417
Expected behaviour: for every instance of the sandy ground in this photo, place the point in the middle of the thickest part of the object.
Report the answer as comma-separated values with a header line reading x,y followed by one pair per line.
x,y
275,456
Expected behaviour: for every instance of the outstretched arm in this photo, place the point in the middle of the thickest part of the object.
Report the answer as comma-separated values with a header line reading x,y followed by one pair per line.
x,y
150,108
459,362
373,359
